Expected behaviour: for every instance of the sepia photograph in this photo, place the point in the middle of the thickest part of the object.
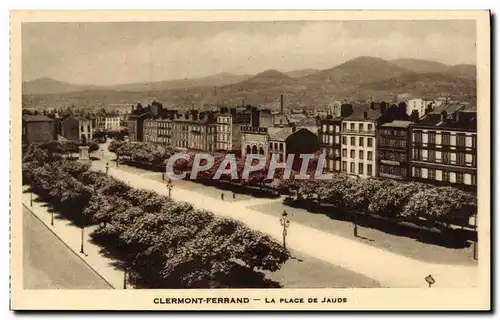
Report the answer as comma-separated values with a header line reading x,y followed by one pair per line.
x,y
250,160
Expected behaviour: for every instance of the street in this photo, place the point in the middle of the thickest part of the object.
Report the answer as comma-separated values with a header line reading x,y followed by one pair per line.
x,y
50,264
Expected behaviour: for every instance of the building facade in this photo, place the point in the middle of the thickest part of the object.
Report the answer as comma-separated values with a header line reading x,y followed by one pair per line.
x,y
108,123
329,135
393,150
37,128
444,149
224,130
358,142
77,129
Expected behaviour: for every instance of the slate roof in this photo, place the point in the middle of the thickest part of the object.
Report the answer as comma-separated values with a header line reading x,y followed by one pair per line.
x,y
36,118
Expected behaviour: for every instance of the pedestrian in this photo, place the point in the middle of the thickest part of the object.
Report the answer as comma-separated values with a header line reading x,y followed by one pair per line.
x,y
234,195
222,196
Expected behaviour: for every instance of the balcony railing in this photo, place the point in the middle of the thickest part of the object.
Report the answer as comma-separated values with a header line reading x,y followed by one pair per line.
x,y
354,131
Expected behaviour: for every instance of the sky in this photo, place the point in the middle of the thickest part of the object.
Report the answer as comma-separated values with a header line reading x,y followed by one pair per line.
x,y
106,53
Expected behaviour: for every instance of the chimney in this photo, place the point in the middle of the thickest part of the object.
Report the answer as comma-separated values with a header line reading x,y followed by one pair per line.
x,y
444,115
281,104
365,115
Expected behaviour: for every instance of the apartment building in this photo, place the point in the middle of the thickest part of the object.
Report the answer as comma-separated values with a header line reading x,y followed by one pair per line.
x,y
393,145
444,149
329,134
358,141
77,129
194,132
37,128
223,135
108,123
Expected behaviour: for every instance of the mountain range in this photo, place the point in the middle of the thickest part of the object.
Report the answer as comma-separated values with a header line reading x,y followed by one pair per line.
x,y
359,78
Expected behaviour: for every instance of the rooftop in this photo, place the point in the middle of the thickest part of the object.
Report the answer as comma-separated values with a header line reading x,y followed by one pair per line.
x,y
456,120
36,118
358,113
397,124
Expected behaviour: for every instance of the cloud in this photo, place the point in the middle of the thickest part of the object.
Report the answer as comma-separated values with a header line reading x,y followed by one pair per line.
x,y
315,45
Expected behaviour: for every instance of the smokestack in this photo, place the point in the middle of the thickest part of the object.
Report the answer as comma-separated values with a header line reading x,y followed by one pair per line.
x,y
281,104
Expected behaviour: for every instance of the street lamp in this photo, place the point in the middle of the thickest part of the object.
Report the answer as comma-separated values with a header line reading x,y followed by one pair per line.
x,y
355,224
81,247
285,223
125,278
51,217
169,186
107,167
31,198
477,235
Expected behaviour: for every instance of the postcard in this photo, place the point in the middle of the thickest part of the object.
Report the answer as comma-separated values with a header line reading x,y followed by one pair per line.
x,y
250,160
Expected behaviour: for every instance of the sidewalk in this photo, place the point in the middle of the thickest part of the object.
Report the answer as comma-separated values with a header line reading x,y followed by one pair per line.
x,y
389,269
71,236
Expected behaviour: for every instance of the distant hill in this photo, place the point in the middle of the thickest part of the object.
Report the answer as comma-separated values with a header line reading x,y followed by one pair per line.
x,y
220,79
362,78
50,86
420,66
355,72
426,66
301,72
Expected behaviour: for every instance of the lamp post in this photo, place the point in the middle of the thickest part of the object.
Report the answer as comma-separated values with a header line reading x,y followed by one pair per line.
x,y
355,221
81,246
107,167
475,239
125,278
31,198
169,187
51,217
285,223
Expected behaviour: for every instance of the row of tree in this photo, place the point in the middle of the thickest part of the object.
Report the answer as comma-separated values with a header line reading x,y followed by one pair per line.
x,y
405,201
163,243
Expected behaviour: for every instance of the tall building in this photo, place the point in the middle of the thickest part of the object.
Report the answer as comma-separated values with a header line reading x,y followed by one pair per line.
x,y
77,129
135,123
194,132
393,146
37,128
330,135
444,149
107,122
359,145
419,105
223,135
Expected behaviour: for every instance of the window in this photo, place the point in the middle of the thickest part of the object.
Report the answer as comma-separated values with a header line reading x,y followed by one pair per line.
x,y
461,140
344,153
361,127
446,176
344,140
360,168
352,126
361,141
446,157
432,138
353,141
432,155
460,177
460,158
370,155
352,167
353,154
361,154
417,136
473,141
370,127
418,173
344,166
432,174
369,170
369,142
